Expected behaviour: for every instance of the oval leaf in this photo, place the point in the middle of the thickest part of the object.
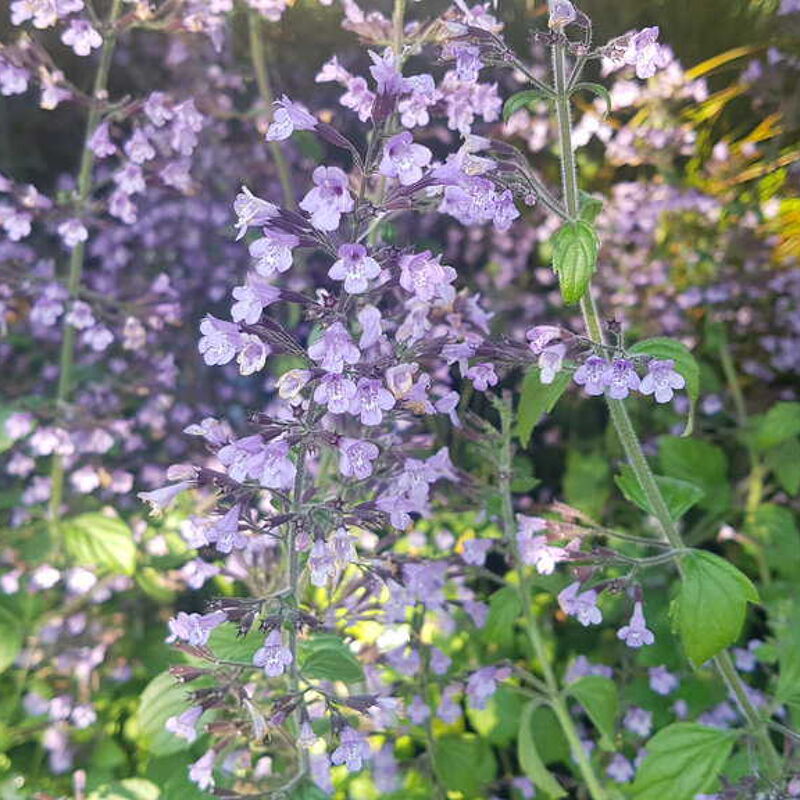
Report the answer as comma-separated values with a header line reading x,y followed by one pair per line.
x,y
529,758
598,695
709,610
464,763
328,658
101,541
161,699
679,495
538,399
574,258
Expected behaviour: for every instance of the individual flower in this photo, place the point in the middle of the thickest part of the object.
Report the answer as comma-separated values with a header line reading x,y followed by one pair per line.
x,y
194,628
638,721
620,769
354,267
220,341
273,656
551,359
159,499
635,633
201,771
251,211
662,681
562,13
224,533
582,605
252,298
482,684
645,53
356,457
404,159
622,379
370,400
252,354
329,199
353,749
184,725
287,118
81,37
425,277
321,563
72,232
273,252
474,551
336,391
661,380
593,375
334,348
482,376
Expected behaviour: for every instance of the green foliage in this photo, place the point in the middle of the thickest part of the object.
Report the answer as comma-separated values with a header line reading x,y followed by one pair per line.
x,y
538,399
599,697
776,528
499,721
128,789
10,638
679,495
465,763
784,461
597,89
161,699
504,609
101,541
523,99
683,760
586,481
327,657
530,759
575,247
700,463
780,423
710,607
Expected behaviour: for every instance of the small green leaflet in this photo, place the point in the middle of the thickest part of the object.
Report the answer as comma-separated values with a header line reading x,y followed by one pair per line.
x,y
683,760
598,695
529,758
575,247
679,495
780,423
598,89
709,610
326,657
101,541
685,363
538,399
522,99
465,763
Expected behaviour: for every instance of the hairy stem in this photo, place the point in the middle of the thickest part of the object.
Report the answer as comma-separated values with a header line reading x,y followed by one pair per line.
x,y
626,432
554,696
258,58
77,256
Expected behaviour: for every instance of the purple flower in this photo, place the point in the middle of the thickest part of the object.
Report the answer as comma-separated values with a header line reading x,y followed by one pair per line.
x,y
468,61
636,633
440,662
353,749
334,349
273,252
620,769
356,457
369,317
201,771
562,13
540,336
288,118
582,605
593,375
252,298
371,400
194,628
183,725
645,53
329,199
482,684
159,499
252,354
622,379
661,380
354,267
273,656
482,376
662,681
746,660
388,79
224,533
403,159
551,359
321,563
336,391
81,37
72,232
418,710
524,786
449,710
220,340
273,467
476,550
638,721
425,277
251,211
291,385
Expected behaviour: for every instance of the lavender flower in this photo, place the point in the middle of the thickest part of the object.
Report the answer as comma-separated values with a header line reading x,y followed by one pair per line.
x,y
662,681
334,349
273,656
475,551
356,457
329,199
352,751
661,380
594,375
273,252
371,399
622,379
289,117
194,628
635,633
184,725
403,159
550,362
582,605
355,268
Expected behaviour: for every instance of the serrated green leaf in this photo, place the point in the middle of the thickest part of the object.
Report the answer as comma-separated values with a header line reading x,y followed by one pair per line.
x,y
10,638
521,100
775,527
780,423
575,248
710,607
328,658
529,758
595,88
504,608
699,463
679,495
683,760
784,461
465,763
101,541
536,400
161,699
685,363
590,206
599,696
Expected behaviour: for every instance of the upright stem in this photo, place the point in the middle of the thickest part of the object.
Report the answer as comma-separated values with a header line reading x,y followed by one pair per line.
x,y
77,256
624,427
554,697
257,56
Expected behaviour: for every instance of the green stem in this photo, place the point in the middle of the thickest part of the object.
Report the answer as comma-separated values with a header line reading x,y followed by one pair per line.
x,y
257,56
77,256
554,697
626,432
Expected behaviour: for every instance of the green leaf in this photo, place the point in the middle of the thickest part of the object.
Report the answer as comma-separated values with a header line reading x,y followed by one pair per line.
x,y
683,759
685,363
575,248
788,689
595,88
225,643
710,607
784,461
101,541
464,763
328,658
776,528
521,100
598,695
161,699
586,481
10,638
128,789
780,423
498,722
504,608
589,207
529,758
699,463
308,790
538,399
679,495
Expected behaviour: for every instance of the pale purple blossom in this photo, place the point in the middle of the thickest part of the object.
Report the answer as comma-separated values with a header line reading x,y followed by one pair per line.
x,y
620,769
321,563
582,605
252,354
352,751
334,348
220,341
482,376
482,684
426,277
81,37
201,771
636,634
194,628
404,159
354,267
252,298
224,532
287,118
662,681
370,400
475,551
184,725
273,252
645,53
661,380
551,359
251,211
356,457
562,13
72,232
638,721
593,375
273,656
622,379
329,199
336,391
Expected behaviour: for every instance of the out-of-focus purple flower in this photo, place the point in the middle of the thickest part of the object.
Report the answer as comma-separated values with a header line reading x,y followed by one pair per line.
x,y
622,379
321,563
620,769
288,118
273,656
638,721
194,628
356,457
476,550
352,751
582,605
354,267
224,533
593,375
329,199
72,232
524,786
661,380
404,159
636,633
201,771
81,37
449,710
159,499
183,725
645,53
482,684
440,662
662,681
562,13
482,376
746,660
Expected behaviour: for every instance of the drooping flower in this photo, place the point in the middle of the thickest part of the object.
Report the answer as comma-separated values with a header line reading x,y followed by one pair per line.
x,y
354,267
404,159
194,628
645,53
251,211
582,605
201,771
329,199
356,457
593,375
635,633
183,725
562,13
321,563
661,380
482,376
273,656
289,117
550,362
252,354
252,298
